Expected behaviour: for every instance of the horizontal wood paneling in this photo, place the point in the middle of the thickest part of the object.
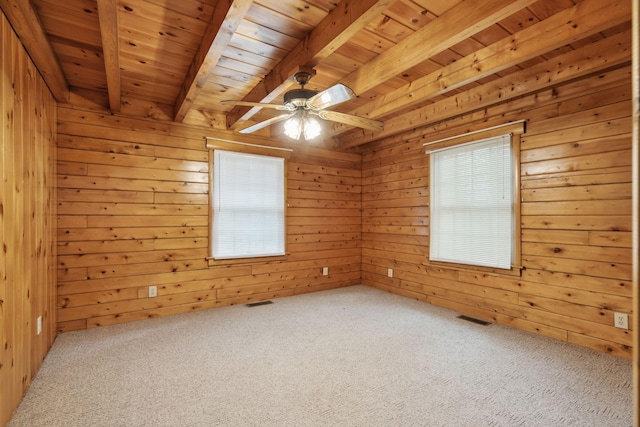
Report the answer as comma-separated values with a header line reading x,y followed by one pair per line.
x,y
575,217
27,220
133,212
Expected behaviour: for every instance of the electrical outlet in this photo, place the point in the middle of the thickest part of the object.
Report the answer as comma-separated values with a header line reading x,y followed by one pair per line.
x,y
621,320
39,325
153,291
325,271
390,272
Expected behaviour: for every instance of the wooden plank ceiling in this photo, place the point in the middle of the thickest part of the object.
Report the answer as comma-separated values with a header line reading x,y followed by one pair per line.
x,y
184,57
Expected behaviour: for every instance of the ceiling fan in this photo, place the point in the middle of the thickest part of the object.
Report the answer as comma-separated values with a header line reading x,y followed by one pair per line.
x,y
303,105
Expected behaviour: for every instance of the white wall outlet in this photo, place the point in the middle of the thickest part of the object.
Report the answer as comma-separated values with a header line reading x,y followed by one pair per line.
x,y
621,320
39,325
389,272
325,271
153,291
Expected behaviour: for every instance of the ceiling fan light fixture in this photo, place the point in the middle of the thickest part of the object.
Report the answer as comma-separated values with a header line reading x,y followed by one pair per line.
x,y
305,107
302,125
311,127
293,127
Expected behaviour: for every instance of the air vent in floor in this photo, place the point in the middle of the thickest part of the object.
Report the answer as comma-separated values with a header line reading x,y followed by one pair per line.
x,y
474,320
255,304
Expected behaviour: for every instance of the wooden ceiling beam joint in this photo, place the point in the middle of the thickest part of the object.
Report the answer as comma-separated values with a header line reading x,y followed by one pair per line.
x,y
27,26
227,16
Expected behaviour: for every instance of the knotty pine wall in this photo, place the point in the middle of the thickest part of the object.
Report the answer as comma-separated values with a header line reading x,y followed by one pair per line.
x,y
576,217
132,212
27,220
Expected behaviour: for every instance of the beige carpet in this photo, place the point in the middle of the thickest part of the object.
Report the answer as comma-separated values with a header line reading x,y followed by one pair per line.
x,y
348,357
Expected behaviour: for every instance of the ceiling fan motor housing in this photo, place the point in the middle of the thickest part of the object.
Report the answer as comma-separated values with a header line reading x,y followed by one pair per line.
x,y
298,97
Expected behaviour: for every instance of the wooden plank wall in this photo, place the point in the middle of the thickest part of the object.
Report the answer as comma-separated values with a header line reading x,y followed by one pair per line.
x,y
635,96
576,217
27,220
132,205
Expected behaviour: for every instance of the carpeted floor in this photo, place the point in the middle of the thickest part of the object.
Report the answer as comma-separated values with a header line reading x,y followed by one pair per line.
x,y
347,357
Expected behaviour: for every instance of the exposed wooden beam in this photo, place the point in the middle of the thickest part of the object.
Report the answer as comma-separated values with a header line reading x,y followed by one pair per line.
x,y
226,18
455,25
108,15
27,26
345,20
583,20
592,58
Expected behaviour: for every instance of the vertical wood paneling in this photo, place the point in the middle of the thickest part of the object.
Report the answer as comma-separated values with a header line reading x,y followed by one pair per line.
x,y
9,388
133,212
635,96
575,216
27,209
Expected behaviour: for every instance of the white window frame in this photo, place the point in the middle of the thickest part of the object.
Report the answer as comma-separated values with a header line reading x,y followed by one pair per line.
x,y
240,152
514,130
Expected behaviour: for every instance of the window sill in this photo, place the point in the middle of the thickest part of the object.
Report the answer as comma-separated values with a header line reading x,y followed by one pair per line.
x,y
515,271
212,262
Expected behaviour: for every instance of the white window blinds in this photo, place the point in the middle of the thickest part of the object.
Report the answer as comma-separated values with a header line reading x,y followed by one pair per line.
x,y
472,203
248,205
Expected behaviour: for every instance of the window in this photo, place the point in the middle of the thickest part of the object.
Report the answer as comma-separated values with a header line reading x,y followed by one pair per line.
x,y
247,204
472,203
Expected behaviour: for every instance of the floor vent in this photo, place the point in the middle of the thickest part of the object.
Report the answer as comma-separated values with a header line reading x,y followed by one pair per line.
x,y
255,304
474,320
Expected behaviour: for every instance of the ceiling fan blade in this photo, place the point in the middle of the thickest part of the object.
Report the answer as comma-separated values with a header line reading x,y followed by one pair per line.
x,y
266,123
256,104
335,95
349,119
